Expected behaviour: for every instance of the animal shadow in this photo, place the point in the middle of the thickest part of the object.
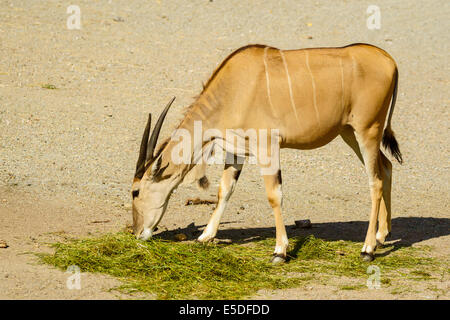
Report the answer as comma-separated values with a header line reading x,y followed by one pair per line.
x,y
406,231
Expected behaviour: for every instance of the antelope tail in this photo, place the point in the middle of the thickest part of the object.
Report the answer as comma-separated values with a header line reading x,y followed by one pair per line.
x,y
389,141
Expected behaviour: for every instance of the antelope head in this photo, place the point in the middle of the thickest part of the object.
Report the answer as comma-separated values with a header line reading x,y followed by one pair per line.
x,y
151,185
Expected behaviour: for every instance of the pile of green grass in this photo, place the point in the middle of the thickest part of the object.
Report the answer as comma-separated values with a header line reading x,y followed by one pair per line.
x,y
187,270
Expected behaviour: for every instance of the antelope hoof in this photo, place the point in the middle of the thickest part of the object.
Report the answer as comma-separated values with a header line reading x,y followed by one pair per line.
x,y
278,259
381,239
205,238
367,257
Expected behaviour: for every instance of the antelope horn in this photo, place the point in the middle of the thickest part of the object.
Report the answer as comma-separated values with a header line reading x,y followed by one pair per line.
x,y
155,132
140,165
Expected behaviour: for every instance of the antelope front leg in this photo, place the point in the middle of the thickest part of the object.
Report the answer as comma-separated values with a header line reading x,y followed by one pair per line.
x,y
227,184
274,195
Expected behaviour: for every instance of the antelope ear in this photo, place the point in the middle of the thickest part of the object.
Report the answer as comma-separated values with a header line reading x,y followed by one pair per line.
x,y
156,166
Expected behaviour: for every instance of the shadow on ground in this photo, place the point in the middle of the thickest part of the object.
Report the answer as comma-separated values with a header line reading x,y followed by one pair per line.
x,y
405,231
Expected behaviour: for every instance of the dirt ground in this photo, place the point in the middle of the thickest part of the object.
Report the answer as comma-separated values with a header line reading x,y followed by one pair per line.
x,y
67,155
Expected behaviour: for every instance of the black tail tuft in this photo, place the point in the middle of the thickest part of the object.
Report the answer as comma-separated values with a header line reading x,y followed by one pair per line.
x,y
391,144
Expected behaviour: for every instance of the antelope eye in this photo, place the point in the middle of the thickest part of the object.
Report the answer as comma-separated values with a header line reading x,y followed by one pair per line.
x,y
135,193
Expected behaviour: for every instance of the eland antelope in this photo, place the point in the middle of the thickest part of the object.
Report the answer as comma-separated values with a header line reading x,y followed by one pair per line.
x,y
310,96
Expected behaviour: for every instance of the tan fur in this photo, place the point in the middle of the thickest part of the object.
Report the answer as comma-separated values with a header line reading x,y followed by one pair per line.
x,y
311,96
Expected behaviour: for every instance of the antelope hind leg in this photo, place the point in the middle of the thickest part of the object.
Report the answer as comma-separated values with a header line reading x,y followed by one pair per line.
x,y
380,168
384,218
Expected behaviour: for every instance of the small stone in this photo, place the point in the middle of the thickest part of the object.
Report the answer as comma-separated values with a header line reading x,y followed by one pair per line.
x,y
3,244
180,237
305,224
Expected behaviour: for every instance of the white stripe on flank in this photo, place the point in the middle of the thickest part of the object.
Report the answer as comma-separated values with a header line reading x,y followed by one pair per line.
x,y
290,85
313,86
342,83
267,77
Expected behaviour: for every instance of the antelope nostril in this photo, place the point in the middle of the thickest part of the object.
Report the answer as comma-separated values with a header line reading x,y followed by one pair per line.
x,y
135,193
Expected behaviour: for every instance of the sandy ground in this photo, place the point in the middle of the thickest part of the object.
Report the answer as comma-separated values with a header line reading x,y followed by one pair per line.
x,y
67,155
